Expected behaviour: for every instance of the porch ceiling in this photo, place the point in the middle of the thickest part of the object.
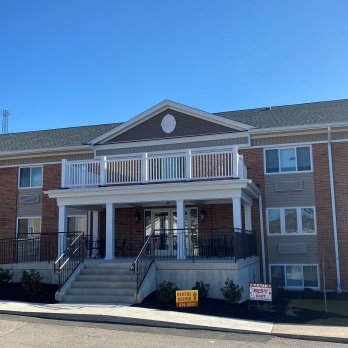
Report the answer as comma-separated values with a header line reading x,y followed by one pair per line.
x,y
164,192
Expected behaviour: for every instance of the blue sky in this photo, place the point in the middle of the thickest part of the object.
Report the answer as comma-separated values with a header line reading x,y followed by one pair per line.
x,y
79,62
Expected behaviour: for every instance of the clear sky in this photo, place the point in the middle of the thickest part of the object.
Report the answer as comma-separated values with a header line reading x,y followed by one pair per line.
x,y
79,62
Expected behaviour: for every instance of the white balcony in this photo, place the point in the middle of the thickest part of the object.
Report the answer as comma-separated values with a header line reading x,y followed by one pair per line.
x,y
153,167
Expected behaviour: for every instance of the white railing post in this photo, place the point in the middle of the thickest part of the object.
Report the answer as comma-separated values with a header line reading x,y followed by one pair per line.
x,y
63,177
144,168
188,165
102,171
235,161
241,167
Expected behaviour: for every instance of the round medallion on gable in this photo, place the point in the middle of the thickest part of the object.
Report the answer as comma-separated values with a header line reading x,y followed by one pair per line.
x,y
168,123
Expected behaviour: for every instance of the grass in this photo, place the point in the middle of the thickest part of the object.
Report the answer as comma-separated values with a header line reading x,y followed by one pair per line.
x,y
337,308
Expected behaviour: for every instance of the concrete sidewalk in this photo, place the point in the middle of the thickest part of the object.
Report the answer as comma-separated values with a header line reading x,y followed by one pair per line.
x,y
122,314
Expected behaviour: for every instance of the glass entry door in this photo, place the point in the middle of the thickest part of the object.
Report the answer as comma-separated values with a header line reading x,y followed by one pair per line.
x,y
164,222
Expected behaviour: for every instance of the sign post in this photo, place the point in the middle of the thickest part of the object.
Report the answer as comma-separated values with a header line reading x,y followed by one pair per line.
x,y
186,298
260,292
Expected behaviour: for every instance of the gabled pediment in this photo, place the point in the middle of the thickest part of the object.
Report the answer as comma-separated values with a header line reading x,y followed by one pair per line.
x,y
170,120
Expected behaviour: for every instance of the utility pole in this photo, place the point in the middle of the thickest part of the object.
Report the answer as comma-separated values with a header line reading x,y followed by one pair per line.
x,y
5,115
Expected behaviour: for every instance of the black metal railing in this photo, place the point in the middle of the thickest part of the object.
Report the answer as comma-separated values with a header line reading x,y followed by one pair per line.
x,y
71,258
194,244
142,263
36,247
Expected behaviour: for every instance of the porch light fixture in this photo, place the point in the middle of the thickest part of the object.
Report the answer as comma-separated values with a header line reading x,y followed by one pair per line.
x,y
202,215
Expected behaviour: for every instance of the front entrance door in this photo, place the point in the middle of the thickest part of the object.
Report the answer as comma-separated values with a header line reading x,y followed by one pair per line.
x,y
164,222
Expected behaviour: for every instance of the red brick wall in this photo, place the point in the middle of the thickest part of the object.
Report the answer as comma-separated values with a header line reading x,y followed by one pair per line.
x,y
8,202
253,159
340,170
324,213
51,180
129,233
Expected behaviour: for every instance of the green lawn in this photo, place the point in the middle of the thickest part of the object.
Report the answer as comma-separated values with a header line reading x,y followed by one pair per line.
x,y
337,307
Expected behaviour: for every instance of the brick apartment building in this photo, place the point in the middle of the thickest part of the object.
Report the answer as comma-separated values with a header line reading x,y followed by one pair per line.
x,y
186,178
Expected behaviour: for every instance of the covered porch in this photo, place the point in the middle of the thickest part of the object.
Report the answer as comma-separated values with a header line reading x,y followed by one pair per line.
x,y
196,220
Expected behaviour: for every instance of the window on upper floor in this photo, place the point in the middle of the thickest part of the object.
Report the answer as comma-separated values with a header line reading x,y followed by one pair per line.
x,y
287,221
30,177
295,276
290,159
28,227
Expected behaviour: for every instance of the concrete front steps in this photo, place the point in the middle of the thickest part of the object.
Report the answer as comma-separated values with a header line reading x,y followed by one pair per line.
x,y
102,282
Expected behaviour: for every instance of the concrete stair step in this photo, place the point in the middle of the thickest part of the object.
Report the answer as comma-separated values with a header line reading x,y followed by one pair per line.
x,y
105,277
104,264
106,271
101,291
125,299
103,284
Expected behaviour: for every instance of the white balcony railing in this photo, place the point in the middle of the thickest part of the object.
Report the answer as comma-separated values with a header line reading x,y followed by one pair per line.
x,y
150,167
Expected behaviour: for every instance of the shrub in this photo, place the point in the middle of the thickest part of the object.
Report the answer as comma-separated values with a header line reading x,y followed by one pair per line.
x,y
5,276
203,290
166,291
31,283
231,292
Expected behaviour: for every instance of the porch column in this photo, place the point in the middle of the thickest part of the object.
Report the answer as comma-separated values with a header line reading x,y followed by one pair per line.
x,y
181,235
110,232
95,233
247,217
62,229
237,212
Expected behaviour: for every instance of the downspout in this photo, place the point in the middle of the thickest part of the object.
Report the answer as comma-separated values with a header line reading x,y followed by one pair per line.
x,y
263,255
333,205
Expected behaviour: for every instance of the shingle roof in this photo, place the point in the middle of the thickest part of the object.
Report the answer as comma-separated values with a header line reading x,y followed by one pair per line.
x,y
292,115
277,116
53,138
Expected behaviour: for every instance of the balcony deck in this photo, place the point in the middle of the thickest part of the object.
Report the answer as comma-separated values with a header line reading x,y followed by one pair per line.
x,y
154,168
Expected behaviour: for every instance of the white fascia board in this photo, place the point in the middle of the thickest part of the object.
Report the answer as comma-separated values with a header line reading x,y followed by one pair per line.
x,y
172,141
224,189
175,106
45,151
297,128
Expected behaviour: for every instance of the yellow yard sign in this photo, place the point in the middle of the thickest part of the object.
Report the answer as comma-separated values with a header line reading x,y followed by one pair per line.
x,y
186,298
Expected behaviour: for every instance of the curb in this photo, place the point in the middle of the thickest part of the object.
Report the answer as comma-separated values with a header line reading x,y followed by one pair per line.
x,y
107,319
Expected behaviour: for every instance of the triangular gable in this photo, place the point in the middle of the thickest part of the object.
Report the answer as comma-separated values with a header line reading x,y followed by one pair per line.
x,y
169,120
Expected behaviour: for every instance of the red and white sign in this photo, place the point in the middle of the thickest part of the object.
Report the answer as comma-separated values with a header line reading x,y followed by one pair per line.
x,y
260,292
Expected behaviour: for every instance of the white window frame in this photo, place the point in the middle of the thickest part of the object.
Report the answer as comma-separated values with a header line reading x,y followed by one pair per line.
x,y
29,187
299,222
295,264
284,148
28,217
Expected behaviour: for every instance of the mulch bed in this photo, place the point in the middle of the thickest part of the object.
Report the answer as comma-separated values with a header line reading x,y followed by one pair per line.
x,y
15,292
258,311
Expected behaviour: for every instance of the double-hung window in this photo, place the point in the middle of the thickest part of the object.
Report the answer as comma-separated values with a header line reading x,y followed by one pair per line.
x,y
30,177
285,221
28,227
295,276
289,159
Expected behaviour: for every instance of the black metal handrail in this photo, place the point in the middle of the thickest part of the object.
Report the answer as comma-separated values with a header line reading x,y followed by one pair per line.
x,y
70,259
142,263
198,244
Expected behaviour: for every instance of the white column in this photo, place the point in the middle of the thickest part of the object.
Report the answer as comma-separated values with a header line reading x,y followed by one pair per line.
x,y
95,232
62,229
181,236
237,212
188,165
247,217
110,232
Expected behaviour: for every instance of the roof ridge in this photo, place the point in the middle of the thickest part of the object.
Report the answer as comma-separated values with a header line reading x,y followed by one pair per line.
x,y
281,106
